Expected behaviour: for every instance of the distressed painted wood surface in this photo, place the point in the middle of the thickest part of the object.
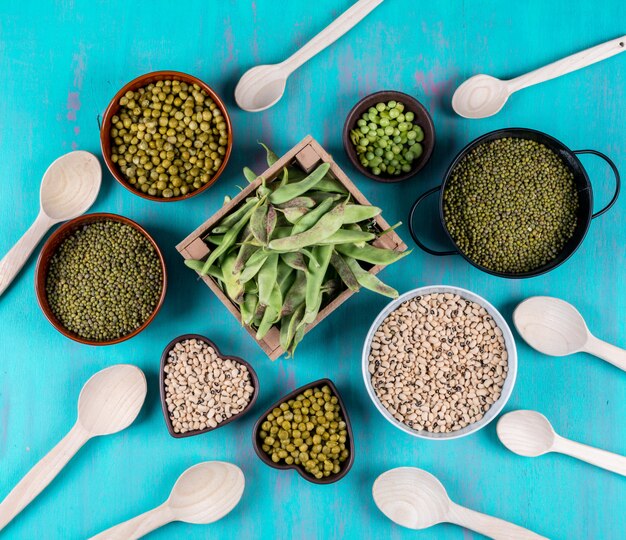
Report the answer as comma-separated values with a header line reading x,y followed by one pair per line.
x,y
61,62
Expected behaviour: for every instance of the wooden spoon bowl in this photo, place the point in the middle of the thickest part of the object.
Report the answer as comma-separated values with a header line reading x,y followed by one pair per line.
x,y
254,382
114,106
49,249
422,118
345,466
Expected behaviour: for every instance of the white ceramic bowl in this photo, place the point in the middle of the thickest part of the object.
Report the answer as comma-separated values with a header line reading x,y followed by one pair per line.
x,y
508,383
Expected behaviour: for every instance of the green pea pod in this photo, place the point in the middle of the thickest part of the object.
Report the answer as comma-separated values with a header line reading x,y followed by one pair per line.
x,y
285,178
272,313
357,227
294,260
251,287
213,271
330,185
301,202
230,237
288,325
369,281
234,288
284,277
226,223
262,222
346,236
271,156
290,191
371,254
312,217
319,196
246,251
248,307
294,214
253,265
249,174
328,224
215,239
344,272
296,294
315,278
358,212
267,278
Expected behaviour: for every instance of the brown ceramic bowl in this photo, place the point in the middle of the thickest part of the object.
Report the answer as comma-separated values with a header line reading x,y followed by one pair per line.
x,y
43,263
422,118
105,129
345,466
254,381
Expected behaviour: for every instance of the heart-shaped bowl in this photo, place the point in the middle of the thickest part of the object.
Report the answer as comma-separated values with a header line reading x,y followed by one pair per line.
x,y
254,382
345,466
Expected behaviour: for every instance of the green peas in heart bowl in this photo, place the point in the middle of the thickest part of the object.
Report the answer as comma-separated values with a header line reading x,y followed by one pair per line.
x,y
389,136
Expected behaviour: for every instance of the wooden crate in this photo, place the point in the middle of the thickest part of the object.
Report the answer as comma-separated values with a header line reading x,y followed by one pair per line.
x,y
307,154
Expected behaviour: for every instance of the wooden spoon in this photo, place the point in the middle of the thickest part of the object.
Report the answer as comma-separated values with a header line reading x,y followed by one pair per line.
x,y
109,402
203,494
530,434
68,189
262,86
482,95
415,499
554,327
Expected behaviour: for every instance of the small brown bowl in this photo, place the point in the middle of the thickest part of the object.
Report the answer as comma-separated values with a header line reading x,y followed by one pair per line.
x,y
254,381
50,247
345,466
422,118
114,105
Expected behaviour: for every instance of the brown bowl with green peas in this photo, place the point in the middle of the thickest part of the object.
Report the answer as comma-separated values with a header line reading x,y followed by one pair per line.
x,y
389,136
166,136
308,430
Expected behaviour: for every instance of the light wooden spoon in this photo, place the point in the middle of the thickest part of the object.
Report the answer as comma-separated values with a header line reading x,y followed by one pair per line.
x,y
482,95
415,499
109,402
262,86
203,494
554,327
68,189
530,434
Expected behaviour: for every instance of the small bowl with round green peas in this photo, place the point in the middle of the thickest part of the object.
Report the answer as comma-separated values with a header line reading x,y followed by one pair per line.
x,y
166,136
389,136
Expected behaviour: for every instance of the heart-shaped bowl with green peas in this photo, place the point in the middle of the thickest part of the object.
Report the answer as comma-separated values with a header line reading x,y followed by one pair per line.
x,y
389,136
307,430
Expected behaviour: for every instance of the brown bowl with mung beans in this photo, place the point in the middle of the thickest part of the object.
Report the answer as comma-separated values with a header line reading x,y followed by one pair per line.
x,y
166,136
100,279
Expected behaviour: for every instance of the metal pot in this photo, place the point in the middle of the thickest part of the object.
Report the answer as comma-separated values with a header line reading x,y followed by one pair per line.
x,y
581,179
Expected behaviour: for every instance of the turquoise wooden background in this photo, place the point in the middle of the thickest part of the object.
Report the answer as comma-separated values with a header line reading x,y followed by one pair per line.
x,y
60,64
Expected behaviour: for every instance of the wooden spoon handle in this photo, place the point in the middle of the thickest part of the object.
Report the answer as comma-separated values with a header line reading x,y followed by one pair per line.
x,y
347,20
600,458
607,352
138,526
41,474
571,63
14,260
492,527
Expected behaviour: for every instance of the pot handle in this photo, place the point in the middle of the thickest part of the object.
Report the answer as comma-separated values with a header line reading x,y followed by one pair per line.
x,y
414,236
615,172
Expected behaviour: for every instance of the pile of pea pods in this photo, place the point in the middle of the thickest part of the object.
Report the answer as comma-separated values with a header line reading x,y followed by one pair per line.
x,y
291,248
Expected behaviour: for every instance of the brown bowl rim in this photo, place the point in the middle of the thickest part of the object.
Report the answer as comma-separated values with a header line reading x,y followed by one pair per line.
x,y
168,422
52,244
113,107
412,105
345,467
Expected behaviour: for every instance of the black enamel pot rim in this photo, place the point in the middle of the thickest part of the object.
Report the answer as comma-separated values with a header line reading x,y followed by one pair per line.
x,y
573,163
345,466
